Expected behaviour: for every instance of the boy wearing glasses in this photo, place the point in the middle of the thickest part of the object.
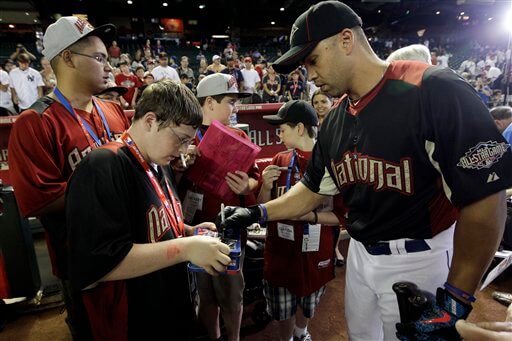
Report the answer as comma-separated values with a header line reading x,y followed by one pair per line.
x,y
218,94
51,137
126,227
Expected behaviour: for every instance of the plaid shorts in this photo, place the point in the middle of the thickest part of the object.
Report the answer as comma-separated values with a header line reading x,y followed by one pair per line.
x,y
282,304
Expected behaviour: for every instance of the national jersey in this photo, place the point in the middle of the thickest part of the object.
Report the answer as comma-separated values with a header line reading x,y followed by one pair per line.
x,y
45,146
286,265
111,205
418,147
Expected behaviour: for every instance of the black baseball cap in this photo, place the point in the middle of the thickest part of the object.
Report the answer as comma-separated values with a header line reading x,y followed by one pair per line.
x,y
320,21
296,111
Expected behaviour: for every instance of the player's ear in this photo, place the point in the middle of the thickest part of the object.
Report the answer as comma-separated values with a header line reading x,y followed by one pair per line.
x,y
301,128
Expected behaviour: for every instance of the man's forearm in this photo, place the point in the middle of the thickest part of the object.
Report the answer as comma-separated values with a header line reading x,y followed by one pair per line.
x,y
298,201
477,235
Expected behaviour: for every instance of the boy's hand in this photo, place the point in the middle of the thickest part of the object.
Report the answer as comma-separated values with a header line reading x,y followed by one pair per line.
x,y
208,253
270,174
238,183
190,230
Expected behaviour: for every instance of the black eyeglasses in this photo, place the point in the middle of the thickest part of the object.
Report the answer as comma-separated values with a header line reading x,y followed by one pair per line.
x,y
97,57
181,141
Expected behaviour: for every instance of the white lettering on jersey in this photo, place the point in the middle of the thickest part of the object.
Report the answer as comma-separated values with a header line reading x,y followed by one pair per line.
x,y
157,223
75,156
483,155
357,168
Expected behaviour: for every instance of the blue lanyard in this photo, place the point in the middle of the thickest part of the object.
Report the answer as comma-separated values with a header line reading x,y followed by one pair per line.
x,y
290,169
199,135
81,121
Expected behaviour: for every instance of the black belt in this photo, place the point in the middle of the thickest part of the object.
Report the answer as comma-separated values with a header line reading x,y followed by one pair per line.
x,y
382,248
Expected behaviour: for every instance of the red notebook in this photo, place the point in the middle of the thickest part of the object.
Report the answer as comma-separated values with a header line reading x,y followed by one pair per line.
x,y
222,151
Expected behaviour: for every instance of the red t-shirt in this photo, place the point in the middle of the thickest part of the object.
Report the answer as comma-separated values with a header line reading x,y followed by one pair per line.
x,y
286,265
45,146
131,82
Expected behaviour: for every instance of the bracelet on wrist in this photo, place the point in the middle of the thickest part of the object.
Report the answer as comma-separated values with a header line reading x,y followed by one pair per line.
x,y
264,214
459,292
315,220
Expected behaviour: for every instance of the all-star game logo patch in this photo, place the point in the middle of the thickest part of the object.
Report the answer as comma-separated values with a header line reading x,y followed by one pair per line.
x,y
483,155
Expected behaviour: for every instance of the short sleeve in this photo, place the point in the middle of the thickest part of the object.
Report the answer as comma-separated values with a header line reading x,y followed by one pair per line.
x,y
316,178
462,141
97,217
35,173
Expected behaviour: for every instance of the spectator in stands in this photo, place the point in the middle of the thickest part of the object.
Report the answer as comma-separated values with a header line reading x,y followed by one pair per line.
x,y
129,81
26,83
148,80
163,70
233,70
6,105
252,82
484,91
48,76
502,116
295,88
468,66
49,140
150,65
491,72
215,66
137,60
9,65
19,50
148,56
114,53
113,93
159,48
443,58
202,69
271,86
186,81
433,57
417,52
185,69
139,72
228,51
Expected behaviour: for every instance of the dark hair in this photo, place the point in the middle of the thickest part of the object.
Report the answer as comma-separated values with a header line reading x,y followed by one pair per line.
x,y
312,131
217,98
320,92
172,102
503,112
23,58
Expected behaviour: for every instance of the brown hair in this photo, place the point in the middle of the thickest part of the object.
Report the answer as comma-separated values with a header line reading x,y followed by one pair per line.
x,y
172,102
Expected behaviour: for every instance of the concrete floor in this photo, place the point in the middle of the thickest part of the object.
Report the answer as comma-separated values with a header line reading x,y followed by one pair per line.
x,y
328,324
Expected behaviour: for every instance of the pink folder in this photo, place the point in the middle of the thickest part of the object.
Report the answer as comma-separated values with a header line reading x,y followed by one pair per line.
x,y
222,151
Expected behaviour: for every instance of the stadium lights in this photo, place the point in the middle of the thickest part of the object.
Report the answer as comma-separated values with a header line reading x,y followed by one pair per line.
x,y
508,21
202,6
129,2
282,9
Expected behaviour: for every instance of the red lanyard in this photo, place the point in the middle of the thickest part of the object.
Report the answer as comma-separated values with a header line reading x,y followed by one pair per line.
x,y
173,209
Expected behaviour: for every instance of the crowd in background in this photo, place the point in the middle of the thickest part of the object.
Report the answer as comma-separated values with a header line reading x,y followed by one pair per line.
x,y
24,77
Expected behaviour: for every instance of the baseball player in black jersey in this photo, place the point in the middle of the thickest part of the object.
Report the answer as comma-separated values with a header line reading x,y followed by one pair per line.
x,y
421,168
126,228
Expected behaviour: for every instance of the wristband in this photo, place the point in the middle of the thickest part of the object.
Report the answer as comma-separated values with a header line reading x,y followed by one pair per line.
x,y
315,221
459,292
264,214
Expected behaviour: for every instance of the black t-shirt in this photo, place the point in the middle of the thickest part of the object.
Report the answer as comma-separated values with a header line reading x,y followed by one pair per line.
x,y
406,156
111,205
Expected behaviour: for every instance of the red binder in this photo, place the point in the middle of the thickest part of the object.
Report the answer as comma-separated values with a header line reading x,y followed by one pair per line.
x,y
222,151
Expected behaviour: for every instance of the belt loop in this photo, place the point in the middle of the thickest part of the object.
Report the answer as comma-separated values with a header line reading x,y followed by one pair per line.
x,y
393,247
400,245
